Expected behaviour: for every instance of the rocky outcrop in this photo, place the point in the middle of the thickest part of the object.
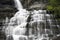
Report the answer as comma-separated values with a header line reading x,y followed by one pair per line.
x,y
7,8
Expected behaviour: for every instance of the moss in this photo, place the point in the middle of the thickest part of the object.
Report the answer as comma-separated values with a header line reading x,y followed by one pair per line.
x,y
49,7
54,6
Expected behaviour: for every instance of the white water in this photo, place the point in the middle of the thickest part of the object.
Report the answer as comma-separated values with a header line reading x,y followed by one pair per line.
x,y
18,4
17,26
20,18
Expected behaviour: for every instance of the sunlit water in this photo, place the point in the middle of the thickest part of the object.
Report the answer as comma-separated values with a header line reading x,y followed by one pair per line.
x,y
37,24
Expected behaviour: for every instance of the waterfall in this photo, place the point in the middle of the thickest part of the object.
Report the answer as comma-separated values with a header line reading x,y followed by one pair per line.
x,y
18,4
29,25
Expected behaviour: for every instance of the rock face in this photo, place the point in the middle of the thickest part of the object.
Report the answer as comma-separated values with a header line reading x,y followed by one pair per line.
x,y
9,2
7,9
7,6
6,3
28,3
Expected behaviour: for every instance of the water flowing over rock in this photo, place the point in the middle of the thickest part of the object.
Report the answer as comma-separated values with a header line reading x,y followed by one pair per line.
x,y
31,25
18,4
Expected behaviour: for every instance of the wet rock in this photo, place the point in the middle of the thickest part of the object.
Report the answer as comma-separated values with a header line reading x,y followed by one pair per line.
x,y
22,38
56,38
10,38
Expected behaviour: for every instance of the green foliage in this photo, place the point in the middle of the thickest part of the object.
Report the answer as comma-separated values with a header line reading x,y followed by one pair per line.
x,y
54,5
49,7
52,2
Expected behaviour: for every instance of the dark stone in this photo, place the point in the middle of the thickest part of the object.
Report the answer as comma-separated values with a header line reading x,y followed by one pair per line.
x,y
57,38
10,38
6,2
2,35
7,6
22,38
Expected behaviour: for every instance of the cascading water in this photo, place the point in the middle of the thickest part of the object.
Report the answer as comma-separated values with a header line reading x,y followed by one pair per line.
x,y
37,27
18,4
